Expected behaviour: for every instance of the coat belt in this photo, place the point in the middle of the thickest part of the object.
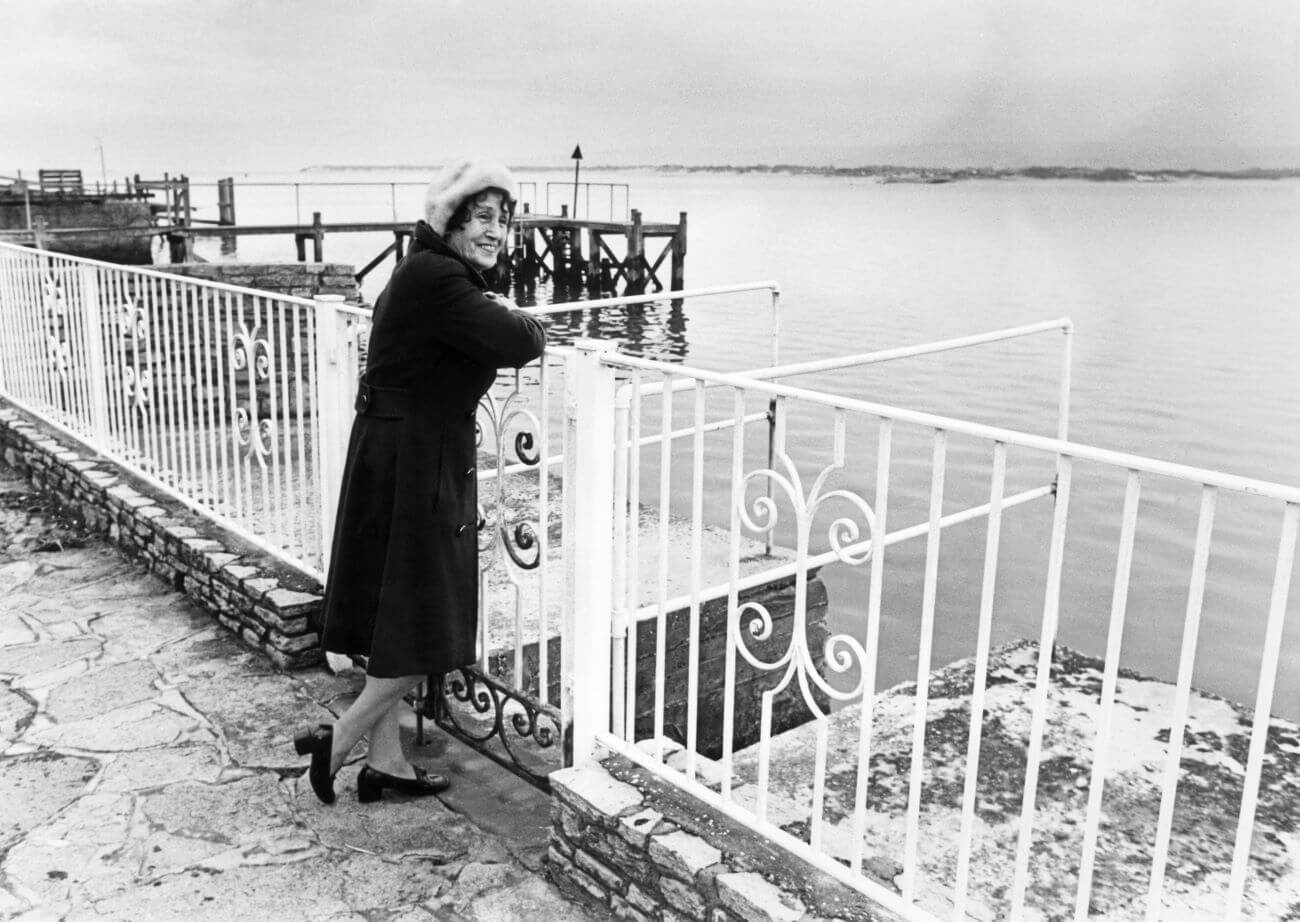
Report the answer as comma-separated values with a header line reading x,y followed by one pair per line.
x,y
381,402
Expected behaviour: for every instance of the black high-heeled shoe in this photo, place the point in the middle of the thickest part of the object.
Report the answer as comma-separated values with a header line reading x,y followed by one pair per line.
x,y
319,741
371,783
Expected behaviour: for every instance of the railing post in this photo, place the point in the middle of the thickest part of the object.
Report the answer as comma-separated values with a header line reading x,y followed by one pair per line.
x,y
333,399
96,370
588,541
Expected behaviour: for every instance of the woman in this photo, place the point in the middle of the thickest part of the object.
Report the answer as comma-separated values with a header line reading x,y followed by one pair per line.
x,y
403,577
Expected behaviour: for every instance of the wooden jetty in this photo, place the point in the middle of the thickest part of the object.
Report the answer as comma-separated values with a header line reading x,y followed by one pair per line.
x,y
621,256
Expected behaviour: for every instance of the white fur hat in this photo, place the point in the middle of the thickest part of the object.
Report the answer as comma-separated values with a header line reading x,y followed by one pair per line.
x,y
457,182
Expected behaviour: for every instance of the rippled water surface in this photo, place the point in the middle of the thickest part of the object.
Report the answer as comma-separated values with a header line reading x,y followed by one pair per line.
x,y
1185,299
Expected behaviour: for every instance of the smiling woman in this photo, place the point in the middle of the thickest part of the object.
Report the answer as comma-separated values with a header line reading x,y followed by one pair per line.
x,y
402,588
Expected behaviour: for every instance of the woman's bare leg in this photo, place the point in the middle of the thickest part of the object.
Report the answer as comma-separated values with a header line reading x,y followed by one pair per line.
x,y
379,696
385,752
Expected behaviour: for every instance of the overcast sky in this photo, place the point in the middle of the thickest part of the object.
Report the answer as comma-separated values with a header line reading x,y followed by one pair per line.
x,y
227,86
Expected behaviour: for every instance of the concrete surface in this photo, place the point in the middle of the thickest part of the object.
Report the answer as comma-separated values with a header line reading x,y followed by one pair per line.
x,y
147,771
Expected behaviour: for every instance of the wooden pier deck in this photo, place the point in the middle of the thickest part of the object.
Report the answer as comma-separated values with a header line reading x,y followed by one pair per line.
x,y
620,256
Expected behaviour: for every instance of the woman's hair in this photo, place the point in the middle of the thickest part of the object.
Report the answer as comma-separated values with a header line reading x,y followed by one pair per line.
x,y
460,217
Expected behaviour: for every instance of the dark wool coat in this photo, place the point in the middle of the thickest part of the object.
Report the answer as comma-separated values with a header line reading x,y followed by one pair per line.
x,y
403,577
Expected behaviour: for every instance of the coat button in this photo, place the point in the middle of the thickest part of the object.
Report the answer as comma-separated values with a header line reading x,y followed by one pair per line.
x,y
469,472
460,529
469,414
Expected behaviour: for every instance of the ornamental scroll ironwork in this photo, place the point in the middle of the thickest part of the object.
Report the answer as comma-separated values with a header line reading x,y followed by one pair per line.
x,y
751,622
491,706
497,535
58,350
133,349
251,358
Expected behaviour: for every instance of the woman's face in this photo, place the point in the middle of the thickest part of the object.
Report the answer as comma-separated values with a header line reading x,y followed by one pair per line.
x,y
480,240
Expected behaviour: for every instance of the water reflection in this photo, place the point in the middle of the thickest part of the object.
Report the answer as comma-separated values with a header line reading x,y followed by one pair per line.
x,y
656,329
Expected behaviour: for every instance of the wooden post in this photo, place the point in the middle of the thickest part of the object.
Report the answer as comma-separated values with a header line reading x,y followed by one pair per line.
x,y
560,241
176,247
635,265
576,262
593,258
300,240
226,211
317,238
399,244
679,256
185,199
530,249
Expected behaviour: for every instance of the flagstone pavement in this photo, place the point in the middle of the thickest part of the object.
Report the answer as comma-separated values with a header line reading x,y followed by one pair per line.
x,y
146,769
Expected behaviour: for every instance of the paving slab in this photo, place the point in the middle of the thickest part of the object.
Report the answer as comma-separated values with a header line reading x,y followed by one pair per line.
x,y
147,770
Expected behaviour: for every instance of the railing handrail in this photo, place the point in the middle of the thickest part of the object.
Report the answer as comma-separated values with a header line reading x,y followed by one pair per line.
x,y
1205,476
569,306
167,276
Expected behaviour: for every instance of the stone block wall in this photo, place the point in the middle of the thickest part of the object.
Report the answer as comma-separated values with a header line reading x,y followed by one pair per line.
x,y
270,605
647,853
299,280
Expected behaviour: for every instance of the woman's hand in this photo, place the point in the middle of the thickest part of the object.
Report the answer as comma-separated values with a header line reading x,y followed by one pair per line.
x,y
502,300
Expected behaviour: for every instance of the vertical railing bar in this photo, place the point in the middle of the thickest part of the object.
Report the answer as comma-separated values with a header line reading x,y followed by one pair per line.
x,y
243,453
40,381
156,360
11,308
317,408
78,348
205,394
284,425
38,326
543,531
633,545
279,499
228,447
1110,676
661,620
764,756
1063,402
872,646
132,407
819,785
26,357
195,457
173,474
1182,700
1263,708
1046,647
111,285
929,592
305,487
180,375
733,591
270,497
17,375
982,644
619,626
518,631
697,551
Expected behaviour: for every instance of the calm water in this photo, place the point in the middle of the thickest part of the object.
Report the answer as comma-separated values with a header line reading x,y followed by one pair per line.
x,y
1186,304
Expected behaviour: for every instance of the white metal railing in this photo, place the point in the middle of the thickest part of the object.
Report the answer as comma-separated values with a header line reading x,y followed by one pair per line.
x,y
209,391
810,482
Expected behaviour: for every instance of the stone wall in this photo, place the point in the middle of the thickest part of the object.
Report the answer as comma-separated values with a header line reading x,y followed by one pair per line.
x,y
268,604
299,280
647,853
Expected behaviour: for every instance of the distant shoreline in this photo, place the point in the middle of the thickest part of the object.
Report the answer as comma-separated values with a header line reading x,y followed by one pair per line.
x,y
888,173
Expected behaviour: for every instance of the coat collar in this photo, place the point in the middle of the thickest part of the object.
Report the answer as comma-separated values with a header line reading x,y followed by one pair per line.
x,y
425,238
